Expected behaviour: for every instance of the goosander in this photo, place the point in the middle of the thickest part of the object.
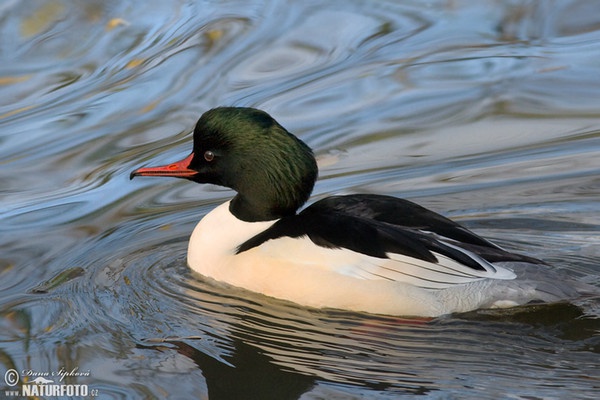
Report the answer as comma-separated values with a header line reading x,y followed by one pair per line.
x,y
363,252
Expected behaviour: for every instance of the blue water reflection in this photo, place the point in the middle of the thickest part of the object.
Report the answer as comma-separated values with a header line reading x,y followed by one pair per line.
x,y
485,111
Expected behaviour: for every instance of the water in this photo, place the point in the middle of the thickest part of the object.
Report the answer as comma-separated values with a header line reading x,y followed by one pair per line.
x,y
484,111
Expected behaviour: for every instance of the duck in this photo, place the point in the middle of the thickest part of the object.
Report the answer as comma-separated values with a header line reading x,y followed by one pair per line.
x,y
370,253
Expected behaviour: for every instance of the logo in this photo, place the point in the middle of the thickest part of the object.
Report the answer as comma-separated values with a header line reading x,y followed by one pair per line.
x,y
47,383
41,380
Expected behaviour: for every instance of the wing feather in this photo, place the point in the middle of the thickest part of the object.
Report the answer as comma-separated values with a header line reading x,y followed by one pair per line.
x,y
392,239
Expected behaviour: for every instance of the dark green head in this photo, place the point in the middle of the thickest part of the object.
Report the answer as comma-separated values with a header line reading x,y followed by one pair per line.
x,y
245,149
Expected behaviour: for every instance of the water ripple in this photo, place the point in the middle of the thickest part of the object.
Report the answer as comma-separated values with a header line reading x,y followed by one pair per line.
x,y
156,299
486,112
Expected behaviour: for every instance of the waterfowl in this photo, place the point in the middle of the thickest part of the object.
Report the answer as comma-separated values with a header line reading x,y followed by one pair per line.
x,y
362,252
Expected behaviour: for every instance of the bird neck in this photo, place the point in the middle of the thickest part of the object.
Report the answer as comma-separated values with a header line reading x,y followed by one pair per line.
x,y
265,205
266,197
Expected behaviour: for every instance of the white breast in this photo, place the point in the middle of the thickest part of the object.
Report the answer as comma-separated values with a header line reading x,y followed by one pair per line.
x,y
216,238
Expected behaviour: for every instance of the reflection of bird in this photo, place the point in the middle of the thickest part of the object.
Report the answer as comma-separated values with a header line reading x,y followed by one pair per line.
x,y
360,252
41,380
255,374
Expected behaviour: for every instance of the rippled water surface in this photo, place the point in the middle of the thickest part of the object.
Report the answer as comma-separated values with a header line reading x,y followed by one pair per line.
x,y
488,112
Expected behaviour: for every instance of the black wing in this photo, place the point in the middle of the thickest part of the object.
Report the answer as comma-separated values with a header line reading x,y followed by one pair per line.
x,y
376,225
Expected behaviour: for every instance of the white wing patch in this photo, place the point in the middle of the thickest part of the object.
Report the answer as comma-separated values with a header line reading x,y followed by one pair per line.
x,y
397,267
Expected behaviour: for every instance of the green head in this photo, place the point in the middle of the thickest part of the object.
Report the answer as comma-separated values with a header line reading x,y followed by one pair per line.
x,y
272,171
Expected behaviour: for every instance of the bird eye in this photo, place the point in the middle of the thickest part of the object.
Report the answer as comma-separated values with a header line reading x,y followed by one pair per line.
x,y
209,155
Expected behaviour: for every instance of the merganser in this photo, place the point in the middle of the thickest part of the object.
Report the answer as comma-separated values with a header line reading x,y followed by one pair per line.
x,y
363,252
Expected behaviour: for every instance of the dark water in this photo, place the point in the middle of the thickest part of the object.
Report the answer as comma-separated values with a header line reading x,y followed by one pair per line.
x,y
488,112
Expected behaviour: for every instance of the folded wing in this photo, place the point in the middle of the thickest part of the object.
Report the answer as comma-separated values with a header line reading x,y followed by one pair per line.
x,y
394,239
